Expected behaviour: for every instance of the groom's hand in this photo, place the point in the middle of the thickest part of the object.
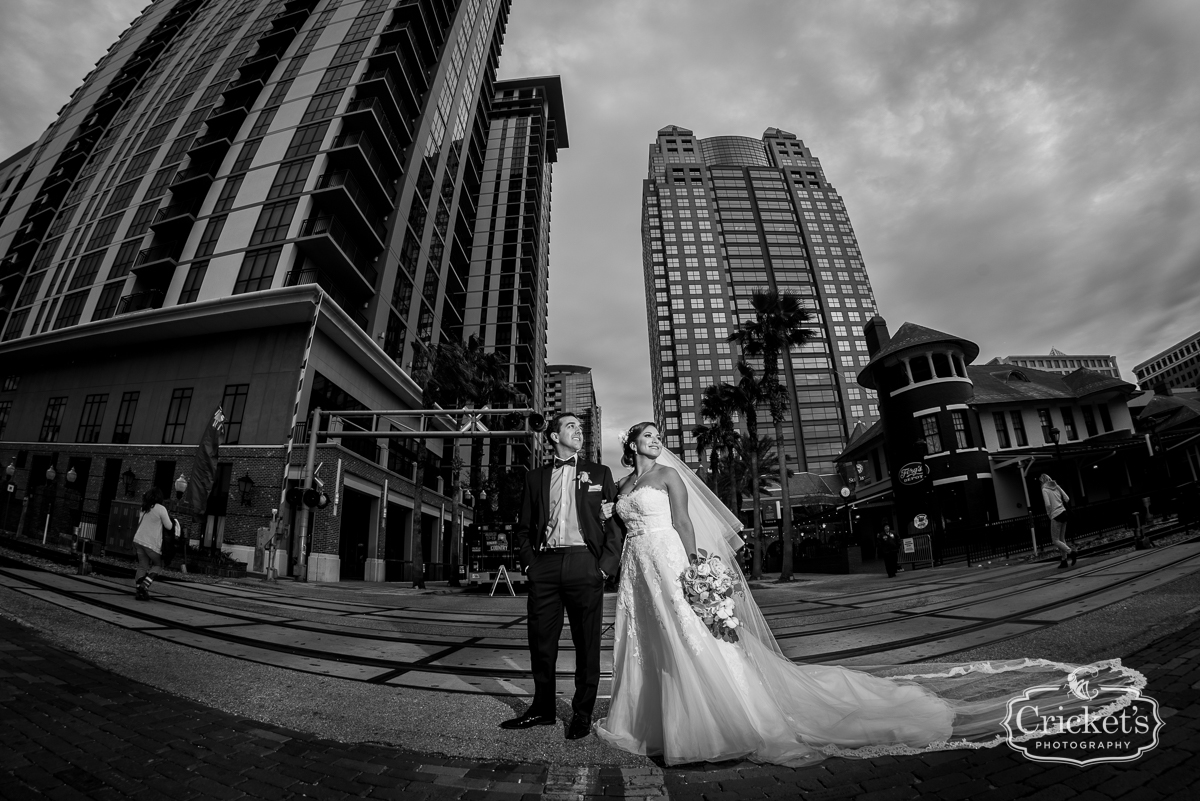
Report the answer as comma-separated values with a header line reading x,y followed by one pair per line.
x,y
606,511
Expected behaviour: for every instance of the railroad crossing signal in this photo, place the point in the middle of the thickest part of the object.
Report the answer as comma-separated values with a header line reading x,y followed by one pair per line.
x,y
474,422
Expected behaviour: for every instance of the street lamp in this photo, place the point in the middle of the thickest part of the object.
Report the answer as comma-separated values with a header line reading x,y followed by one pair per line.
x,y
9,487
1054,434
130,480
246,488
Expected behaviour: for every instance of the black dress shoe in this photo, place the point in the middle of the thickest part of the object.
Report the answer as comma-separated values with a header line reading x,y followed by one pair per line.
x,y
529,720
580,727
1074,557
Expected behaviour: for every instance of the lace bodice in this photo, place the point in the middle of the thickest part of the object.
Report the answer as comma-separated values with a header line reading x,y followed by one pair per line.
x,y
644,510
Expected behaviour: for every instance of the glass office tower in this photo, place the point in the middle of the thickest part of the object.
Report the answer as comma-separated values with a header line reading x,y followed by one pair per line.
x,y
722,217
569,388
267,205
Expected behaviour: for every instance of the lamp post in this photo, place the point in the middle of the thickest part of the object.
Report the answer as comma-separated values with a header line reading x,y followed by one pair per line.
x,y
1054,434
51,475
9,487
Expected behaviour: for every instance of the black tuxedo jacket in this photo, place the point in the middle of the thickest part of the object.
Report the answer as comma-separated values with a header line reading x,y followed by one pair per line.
x,y
602,539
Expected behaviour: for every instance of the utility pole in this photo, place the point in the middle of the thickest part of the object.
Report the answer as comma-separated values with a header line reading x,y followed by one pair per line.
x,y
309,463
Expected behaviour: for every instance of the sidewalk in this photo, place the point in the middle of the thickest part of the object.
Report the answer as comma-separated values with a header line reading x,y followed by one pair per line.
x,y
73,731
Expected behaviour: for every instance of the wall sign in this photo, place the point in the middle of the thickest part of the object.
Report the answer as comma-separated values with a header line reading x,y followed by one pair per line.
x,y
913,473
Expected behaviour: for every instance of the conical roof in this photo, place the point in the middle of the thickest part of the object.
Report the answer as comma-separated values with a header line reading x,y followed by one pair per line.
x,y
911,335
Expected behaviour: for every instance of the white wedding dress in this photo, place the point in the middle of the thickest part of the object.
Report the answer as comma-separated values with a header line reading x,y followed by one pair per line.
x,y
680,693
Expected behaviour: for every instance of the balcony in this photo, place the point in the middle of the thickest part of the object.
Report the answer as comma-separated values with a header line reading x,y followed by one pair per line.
x,y
350,200
174,221
399,51
196,178
393,91
140,301
244,88
425,31
262,60
312,275
290,18
355,151
164,32
299,5
137,67
122,86
107,105
155,265
332,246
226,120
151,48
369,113
210,148
279,36
39,215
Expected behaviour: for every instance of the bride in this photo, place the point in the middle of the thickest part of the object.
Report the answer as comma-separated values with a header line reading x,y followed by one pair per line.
x,y
681,693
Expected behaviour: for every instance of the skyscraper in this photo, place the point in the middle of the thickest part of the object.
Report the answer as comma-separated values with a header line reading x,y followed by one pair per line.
x,y
722,217
267,205
569,388
507,288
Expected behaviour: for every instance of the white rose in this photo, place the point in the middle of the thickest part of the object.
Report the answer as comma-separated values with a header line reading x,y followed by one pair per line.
x,y
704,570
733,622
722,612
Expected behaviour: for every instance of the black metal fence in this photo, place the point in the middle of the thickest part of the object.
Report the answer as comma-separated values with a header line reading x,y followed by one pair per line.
x,y
1005,539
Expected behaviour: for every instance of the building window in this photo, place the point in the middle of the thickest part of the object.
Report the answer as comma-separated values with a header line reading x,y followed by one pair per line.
x,y
258,270
962,432
1069,423
5,409
1089,420
177,412
1046,424
125,414
1105,419
233,404
929,431
92,417
1001,430
193,281
52,422
273,223
1018,424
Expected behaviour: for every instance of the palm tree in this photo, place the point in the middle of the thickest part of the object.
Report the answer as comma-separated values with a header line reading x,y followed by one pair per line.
x,y
717,406
452,374
777,326
746,395
705,437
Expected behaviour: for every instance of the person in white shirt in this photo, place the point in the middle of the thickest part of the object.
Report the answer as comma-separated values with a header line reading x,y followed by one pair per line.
x,y
152,521
1056,507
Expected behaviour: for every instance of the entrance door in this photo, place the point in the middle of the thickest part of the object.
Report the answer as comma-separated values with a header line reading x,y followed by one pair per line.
x,y
399,521
108,491
355,534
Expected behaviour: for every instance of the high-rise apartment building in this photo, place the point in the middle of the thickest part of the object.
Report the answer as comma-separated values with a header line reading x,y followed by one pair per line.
x,y
1177,366
1064,364
267,205
569,389
507,288
721,218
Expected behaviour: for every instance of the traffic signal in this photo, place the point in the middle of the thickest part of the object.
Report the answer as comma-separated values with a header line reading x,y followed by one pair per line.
x,y
294,496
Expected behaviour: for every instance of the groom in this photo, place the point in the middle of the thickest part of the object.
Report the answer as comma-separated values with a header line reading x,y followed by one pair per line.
x,y
566,551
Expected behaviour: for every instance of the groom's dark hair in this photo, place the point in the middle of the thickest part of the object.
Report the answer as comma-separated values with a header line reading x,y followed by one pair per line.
x,y
555,424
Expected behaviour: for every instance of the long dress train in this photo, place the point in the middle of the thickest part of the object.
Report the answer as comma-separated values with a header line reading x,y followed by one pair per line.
x,y
681,693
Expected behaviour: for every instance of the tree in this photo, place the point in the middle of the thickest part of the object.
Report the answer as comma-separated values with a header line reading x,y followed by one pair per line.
x,y
722,436
453,374
776,327
746,396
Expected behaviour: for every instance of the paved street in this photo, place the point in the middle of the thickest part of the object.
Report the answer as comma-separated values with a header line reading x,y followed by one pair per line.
x,y
80,728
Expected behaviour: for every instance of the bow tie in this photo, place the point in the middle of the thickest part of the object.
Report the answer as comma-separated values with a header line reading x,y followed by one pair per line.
x,y
564,462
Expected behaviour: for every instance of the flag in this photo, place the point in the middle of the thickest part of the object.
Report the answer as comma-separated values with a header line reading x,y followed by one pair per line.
x,y
204,468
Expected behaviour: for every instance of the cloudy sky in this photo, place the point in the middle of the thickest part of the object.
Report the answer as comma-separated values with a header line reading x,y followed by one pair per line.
x,y
1024,174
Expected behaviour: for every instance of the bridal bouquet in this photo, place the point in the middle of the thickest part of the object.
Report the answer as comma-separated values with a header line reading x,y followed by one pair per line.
x,y
708,585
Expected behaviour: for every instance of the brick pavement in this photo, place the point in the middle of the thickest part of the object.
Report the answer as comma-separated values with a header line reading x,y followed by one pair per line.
x,y
74,731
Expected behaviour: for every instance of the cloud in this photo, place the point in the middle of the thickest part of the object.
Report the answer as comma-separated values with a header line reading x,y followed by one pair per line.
x,y
1018,173
46,48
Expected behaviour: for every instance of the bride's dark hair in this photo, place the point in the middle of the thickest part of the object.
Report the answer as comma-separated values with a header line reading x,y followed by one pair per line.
x,y
629,449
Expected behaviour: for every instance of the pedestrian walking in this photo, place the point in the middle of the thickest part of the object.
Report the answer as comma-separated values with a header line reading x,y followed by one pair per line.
x,y
1056,501
888,546
148,541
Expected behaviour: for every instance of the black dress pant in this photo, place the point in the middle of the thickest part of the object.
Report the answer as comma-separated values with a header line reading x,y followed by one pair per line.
x,y
889,561
569,580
